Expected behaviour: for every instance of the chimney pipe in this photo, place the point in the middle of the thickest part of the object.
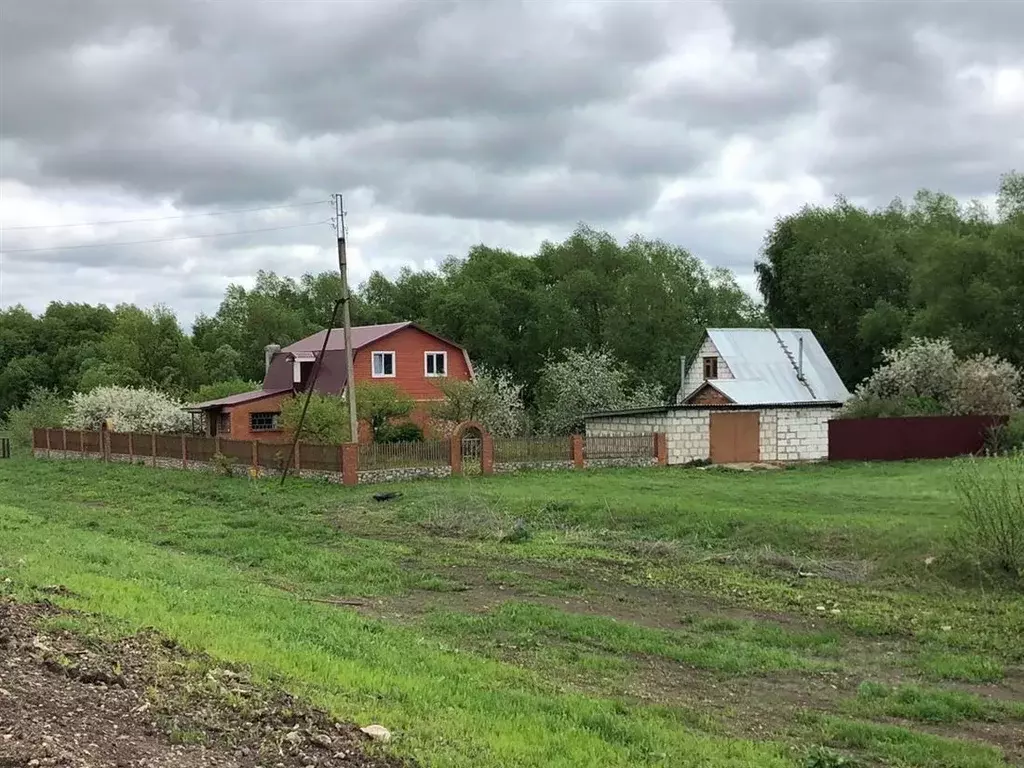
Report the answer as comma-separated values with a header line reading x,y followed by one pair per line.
x,y
682,380
268,354
800,358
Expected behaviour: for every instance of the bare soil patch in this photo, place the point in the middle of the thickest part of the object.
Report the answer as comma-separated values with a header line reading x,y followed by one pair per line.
x,y
647,606
69,700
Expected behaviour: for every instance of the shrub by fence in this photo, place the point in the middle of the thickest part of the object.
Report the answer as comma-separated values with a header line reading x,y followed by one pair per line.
x,y
914,437
375,462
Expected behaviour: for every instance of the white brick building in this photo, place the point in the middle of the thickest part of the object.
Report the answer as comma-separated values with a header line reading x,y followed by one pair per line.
x,y
746,395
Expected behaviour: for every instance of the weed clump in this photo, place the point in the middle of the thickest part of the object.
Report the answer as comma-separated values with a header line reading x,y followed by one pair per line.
x,y
991,531
476,521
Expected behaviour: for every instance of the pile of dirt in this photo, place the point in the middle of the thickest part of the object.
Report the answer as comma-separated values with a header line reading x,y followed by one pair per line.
x,y
73,700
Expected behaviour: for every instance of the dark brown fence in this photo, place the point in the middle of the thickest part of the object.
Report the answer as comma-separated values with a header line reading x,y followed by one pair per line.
x,y
482,453
915,437
317,457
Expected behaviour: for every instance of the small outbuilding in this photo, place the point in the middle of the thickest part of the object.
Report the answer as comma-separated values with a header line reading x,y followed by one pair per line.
x,y
746,395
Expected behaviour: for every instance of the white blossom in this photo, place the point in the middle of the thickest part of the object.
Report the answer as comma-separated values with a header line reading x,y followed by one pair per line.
x,y
128,410
584,381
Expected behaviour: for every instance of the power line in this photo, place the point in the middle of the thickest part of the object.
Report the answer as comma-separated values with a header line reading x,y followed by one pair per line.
x,y
163,239
164,218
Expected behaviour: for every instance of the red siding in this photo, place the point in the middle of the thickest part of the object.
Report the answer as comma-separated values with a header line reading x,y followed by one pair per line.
x,y
917,437
410,346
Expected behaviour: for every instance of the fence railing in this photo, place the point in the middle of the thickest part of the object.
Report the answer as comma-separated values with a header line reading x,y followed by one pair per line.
x,y
462,450
427,453
526,450
618,447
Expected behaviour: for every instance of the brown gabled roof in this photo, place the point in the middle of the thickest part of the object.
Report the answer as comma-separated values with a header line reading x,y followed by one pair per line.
x,y
242,397
362,335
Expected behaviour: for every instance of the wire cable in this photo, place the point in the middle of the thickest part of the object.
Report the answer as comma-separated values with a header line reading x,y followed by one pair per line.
x,y
162,239
162,218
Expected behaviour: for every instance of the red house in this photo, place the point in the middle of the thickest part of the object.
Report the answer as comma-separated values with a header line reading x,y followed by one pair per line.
x,y
402,354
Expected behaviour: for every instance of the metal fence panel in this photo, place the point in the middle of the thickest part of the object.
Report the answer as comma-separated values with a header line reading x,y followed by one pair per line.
x,y
320,457
427,453
239,450
168,446
913,437
513,450
619,447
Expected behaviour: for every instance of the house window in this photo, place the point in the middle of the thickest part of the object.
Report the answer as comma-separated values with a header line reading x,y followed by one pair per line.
x,y
710,367
436,363
224,423
383,364
263,422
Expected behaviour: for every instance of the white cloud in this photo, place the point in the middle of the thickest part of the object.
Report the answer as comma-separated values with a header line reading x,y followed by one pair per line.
x,y
452,123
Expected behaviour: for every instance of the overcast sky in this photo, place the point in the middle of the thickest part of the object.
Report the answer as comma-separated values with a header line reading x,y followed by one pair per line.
x,y
451,122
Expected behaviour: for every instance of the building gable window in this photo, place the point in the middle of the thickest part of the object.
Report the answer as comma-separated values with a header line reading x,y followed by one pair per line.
x,y
436,363
383,364
263,422
710,367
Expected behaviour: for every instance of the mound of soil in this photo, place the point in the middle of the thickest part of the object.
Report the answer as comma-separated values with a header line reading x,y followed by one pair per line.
x,y
77,701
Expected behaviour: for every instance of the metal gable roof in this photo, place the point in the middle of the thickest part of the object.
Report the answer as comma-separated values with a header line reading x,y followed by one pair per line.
x,y
361,336
764,374
241,397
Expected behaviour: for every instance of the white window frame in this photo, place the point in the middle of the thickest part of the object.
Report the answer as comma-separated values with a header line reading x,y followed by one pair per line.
x,y
426,358
394,364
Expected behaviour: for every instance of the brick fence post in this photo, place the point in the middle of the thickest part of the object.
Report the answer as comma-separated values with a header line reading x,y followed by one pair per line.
x,y
105,441
184,453
350,464
255,453
131,447
152,446
661,448
36,442
576,451
64,443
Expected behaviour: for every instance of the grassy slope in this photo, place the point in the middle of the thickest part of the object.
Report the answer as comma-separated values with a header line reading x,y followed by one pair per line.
x,y
206,559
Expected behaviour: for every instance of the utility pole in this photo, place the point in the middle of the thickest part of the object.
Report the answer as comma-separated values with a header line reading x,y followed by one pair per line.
x,y
346,318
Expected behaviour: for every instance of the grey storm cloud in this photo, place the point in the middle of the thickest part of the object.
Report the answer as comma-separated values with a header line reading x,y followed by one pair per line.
x,y
456,120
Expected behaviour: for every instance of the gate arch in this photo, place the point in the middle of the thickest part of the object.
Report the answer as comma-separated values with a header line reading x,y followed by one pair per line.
x,y
470,429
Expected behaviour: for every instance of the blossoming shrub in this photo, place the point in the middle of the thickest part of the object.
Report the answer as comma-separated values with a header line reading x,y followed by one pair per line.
x,y
926,377
128,409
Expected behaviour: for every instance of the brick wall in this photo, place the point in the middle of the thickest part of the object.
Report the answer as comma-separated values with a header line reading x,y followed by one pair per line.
x,y
802,433
240,423
786,434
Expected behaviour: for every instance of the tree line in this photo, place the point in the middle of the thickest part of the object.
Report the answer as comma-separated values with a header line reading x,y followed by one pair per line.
x,y
863,280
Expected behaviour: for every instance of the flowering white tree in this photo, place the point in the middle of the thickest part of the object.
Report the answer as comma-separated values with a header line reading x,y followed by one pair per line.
x,y
986,384
925,368
926,376
583,381
493,399
128,410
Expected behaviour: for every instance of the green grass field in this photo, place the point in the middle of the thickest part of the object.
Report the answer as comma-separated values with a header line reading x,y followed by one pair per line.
x,y
812,617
